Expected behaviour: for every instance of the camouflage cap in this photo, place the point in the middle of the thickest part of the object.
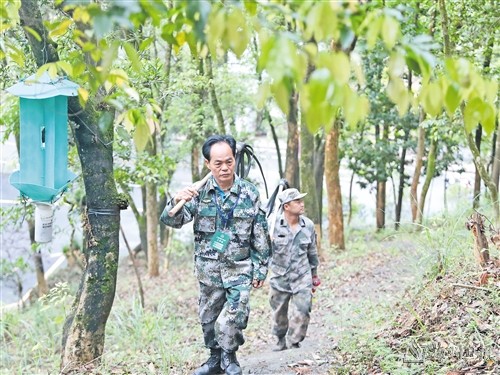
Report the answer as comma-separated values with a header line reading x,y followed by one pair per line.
x,y
289,195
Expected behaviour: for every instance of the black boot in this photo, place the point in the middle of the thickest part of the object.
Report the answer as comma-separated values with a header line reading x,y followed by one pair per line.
x,y
230,364
212,365
280,345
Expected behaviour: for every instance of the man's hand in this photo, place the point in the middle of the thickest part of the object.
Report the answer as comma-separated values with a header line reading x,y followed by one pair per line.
x,y
316,282
186,194
257,283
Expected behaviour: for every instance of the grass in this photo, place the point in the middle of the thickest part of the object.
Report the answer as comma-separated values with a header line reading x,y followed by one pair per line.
x,y
379,279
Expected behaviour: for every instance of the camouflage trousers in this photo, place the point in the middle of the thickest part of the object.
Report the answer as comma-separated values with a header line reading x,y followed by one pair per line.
x,y
291,313
224,302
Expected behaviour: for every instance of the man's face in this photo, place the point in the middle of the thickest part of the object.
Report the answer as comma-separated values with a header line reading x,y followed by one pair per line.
x,y
295,207
221,163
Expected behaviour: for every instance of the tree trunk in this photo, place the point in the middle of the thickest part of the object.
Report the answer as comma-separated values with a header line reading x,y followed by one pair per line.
x,y
492,188
402,163
418,169
431,168
213,95
381,195
477,177
495,170
307,177
476,225
319,172
84,328
332,177
292,144
401,186
152,223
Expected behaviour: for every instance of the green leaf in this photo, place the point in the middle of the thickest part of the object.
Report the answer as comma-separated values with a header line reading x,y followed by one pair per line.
x,y
237,32
340,68
263,93
373,32
142,134
66,67
61,29
431,98
33,32
491,91
488,117
390,31
355,108
397,92
452,99
145,44
133,56
282,96
472,114
321,21
216,28
251,7
396,66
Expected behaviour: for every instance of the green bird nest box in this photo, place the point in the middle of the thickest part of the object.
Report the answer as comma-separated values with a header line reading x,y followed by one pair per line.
x,y
43,172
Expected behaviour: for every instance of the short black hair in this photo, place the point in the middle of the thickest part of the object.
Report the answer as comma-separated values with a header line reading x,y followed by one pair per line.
x,y
213,139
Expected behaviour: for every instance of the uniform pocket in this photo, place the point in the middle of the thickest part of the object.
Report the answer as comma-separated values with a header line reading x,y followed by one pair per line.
x,y
243,222
206,220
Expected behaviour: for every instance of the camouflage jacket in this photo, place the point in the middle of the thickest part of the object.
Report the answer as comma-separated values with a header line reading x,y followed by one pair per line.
x,y
247,229
295,255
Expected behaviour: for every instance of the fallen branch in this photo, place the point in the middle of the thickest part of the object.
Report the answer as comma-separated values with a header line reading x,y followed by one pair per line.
x,y
471,287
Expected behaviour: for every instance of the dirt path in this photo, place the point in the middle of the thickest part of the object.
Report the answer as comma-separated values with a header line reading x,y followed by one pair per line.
x,y
354,290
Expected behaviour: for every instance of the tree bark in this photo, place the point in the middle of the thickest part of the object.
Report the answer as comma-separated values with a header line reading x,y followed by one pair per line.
x,y
307,177
319,172
418,169
83,335
401,186
152,224
477,176
292,144
484,174
213,95
495,170
332,177
429,175
381,196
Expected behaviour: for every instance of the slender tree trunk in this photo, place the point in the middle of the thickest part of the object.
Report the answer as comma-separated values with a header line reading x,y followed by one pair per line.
x,y
492,188
152,223
308,181
402,163
319,172
477,176
431,168
401,186
332,177
418,169
292,145
381,196
351,183
495,170
213,95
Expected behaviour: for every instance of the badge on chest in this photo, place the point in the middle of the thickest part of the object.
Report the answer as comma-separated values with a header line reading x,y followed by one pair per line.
x,y
220,241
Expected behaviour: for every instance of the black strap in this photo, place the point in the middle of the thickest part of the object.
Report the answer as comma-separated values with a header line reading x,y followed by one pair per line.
x,y
244,157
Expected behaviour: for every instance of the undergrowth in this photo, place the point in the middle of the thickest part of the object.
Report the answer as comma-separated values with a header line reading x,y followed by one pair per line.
x,y
390,308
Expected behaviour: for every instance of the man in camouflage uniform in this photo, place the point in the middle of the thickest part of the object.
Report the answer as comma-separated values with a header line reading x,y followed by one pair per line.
x,y
232,249
294,268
